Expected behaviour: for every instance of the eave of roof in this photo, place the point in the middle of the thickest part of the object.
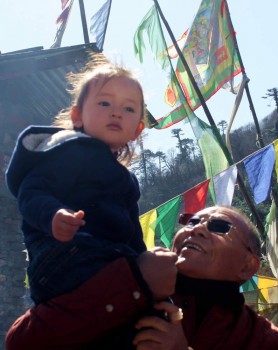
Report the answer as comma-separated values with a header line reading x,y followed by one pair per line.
x,y
33,85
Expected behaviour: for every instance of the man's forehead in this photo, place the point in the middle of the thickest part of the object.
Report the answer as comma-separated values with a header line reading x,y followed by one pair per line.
x,y
217,211
221,212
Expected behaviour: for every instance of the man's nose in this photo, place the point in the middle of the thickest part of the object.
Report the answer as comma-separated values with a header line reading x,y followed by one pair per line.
x,y
200,229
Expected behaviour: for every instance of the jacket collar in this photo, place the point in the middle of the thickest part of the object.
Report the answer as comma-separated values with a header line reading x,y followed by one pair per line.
x,y
224,293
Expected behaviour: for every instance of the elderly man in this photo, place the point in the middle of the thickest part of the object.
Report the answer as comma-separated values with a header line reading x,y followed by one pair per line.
x,y
218,250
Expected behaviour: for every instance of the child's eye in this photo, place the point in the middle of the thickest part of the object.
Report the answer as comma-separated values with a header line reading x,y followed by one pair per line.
x,y
130,109
104,103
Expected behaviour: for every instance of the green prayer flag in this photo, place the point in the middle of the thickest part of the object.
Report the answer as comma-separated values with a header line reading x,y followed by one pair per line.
x,y
213,155
210,53
164,225
151,26
175,116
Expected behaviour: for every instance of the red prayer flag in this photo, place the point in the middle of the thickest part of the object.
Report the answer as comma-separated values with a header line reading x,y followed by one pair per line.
x,y
195,198
63,16
64,3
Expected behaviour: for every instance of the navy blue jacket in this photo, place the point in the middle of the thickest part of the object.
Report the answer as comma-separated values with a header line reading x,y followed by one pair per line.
x,y
52,168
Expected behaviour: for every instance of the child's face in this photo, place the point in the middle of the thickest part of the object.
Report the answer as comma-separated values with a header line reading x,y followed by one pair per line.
x,y
111,113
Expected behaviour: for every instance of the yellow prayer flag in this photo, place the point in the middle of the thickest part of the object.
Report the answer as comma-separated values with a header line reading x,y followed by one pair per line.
x,y
275,144
148,233
264,283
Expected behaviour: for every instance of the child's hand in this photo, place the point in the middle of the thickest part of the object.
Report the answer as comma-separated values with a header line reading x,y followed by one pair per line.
x,y
65,224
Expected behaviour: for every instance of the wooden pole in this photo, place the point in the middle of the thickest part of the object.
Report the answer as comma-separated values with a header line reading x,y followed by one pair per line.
x,y
106,24
251,106
84,22
259,134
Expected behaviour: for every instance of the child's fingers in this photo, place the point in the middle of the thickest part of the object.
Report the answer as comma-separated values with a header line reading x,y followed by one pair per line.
x,y
79,214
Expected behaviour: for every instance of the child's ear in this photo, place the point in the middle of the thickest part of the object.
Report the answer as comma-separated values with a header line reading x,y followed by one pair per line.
x,y
139,129
76,117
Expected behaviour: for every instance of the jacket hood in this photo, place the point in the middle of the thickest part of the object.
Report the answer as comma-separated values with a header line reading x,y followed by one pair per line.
x,y
42,142
33,144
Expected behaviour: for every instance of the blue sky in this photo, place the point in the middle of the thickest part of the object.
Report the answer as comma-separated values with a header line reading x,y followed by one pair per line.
x,y
30,23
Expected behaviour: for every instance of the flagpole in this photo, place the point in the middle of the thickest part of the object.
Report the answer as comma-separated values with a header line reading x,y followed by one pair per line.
x,y
251,105
246,87
84,22
106,24
210,119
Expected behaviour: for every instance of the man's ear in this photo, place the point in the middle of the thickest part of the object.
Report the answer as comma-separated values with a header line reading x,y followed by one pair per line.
x,y
76,117
139,129
251,266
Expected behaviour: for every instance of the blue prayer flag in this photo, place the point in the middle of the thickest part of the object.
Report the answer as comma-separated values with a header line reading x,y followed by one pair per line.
x,y
99,23
259,167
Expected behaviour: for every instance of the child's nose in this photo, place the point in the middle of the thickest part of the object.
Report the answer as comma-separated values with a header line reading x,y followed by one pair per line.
x,y
116,112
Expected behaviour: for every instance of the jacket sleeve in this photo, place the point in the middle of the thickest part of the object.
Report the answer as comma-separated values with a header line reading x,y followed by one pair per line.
x,y
137,239
84,314
42,190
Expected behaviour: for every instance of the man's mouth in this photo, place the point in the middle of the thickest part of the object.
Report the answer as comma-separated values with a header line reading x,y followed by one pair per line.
x,y
193,246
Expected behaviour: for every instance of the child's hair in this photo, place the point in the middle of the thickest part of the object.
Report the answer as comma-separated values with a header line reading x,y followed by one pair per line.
x,y
97,69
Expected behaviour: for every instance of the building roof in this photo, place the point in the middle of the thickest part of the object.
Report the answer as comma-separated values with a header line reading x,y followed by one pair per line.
x,y
33,87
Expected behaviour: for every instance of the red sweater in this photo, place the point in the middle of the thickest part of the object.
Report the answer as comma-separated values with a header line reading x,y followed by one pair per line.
x,y
224,329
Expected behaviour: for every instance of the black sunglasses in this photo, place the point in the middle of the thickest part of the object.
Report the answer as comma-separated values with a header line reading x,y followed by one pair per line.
x,y
216,226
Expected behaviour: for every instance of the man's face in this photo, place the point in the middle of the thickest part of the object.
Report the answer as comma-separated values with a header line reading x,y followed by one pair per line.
x,y
208,255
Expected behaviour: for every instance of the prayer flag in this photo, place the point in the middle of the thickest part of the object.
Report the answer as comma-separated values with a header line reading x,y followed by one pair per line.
x,y
148,233
63,16
210,54
173,117
213,155
275,144
272,239
159,224
164,225
62,20
172,52
99,22
259,167
265,284
151,26
195,198
250,285
224,185
64,3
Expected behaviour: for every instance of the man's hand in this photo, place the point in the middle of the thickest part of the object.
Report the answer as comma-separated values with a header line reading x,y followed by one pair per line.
x,y
158,334
65,224
159,271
